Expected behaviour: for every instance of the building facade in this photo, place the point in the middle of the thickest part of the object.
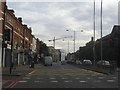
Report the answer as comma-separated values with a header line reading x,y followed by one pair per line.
x,y
2,9
17,39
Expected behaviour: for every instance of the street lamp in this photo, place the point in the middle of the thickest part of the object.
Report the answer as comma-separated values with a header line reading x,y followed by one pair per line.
x,y
74,37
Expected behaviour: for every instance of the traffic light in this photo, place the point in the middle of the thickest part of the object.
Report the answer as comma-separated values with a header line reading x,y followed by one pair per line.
x,y
7,35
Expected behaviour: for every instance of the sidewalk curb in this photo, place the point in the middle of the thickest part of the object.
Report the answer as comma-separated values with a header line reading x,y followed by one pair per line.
x,y
107,73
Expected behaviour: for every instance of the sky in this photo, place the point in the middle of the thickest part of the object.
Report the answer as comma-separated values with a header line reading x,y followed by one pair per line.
x,y
52,19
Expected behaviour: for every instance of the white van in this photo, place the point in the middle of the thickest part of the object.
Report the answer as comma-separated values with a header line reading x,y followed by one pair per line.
x,y
48,60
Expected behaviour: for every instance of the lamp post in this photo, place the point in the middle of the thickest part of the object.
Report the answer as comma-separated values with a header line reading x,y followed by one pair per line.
x,y
75,38
94,34
68,46
101,30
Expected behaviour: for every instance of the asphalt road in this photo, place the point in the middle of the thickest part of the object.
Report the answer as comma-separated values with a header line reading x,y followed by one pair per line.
x,y
63,76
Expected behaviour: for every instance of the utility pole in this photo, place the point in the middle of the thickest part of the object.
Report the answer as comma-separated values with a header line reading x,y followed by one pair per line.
x,y
11,58
68,46
54,42
74,41
94,35
101,30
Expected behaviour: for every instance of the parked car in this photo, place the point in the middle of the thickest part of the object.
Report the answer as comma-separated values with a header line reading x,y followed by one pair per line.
x,y
87,62
78,62
103,63
48,60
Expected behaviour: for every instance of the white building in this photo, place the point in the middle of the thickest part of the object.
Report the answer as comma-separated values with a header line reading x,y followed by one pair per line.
x,y
34,43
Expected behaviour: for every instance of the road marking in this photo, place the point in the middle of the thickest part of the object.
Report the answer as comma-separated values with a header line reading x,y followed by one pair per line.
x,y
14,84
11,85
26,78
27,75
100,77
83,81
32,72
67,81
52,78
54,81
77,78
22,81
89,78
110,80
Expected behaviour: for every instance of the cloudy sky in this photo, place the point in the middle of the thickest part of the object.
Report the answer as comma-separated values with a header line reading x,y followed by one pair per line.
x,y
49,19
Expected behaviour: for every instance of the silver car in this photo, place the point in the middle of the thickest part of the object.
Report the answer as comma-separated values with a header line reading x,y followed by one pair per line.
x,y
48,60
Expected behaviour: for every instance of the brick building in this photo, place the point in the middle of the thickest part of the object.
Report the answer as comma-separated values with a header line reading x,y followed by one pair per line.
x,y
2,7
22,37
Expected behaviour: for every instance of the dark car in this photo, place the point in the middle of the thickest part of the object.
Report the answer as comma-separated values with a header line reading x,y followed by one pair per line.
x,y
104,63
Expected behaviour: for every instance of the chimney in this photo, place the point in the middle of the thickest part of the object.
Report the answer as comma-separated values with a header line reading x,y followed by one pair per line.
x,y
92,38
25,25
11,10
20,19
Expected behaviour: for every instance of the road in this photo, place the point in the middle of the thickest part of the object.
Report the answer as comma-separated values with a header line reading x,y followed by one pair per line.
x,y
62,76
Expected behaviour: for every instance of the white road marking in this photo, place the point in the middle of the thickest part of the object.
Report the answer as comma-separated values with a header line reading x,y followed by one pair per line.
x,y
77,78
22,81
88,78
83,81
100,77
26,78
110,80
67,81
54,81
52,78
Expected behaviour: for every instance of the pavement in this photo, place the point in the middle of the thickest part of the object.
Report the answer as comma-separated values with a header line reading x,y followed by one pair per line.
x,y
99,69
20,71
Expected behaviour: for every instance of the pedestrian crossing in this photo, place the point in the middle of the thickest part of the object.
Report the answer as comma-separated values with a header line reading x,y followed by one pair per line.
x,y
32,80
72,79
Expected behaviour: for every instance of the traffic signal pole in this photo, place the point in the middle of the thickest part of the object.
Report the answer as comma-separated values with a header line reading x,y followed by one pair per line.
x,y
11,58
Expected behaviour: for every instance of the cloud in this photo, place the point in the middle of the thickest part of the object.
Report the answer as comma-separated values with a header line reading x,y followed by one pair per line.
x,y
49,19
